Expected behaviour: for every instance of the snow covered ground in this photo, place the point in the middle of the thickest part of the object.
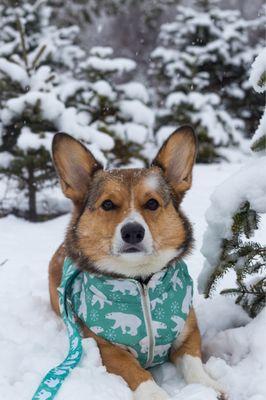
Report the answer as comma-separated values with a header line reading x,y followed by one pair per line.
x,y
33,339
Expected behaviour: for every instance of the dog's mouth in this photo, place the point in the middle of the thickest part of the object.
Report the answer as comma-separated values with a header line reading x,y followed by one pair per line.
x,y
131,249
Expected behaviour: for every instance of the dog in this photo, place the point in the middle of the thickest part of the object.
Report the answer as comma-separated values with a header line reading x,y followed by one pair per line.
x,y
127,227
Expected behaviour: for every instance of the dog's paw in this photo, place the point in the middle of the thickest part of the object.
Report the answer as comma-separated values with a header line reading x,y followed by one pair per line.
x,y
194,372
149,390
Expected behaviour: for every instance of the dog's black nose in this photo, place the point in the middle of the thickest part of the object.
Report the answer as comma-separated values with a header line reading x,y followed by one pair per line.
x,y
132,233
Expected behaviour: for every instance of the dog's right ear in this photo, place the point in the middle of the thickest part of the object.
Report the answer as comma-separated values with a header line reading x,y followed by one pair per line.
x,y
75,166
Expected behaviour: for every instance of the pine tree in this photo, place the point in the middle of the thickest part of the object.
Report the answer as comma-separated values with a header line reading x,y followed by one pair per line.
x,y
200,72
36,83
117,106
238,252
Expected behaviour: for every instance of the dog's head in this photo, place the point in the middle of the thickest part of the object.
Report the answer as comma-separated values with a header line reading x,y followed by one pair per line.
x,y
127,222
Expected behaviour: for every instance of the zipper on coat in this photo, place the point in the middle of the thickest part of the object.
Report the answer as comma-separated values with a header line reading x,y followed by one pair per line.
x,y
145,300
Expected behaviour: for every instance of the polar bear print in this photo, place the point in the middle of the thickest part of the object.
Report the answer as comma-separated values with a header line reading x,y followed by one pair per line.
x,y
144,344
161,350
187,300
156,280
179,323
158,301
128,323
156,325
99,297
123,286
176,281
96,329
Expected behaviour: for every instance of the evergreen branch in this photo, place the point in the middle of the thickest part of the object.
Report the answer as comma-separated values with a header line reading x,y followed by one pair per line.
x,y
38,56
23,44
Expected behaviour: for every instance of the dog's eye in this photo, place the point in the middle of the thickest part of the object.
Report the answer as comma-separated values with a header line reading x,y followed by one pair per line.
x,y
152,204
108,205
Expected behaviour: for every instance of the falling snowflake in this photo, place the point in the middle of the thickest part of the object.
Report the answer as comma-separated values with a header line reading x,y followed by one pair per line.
x,y
175,307
159,313
94,315
110,335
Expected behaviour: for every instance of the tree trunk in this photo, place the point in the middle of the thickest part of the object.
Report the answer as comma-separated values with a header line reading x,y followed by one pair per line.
x,y
32,212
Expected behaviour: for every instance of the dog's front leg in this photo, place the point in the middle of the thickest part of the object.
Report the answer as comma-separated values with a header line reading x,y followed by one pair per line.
x,y
121,362
186,351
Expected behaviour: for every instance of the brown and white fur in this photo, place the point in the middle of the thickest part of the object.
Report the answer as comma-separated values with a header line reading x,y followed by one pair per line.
x,y
94,240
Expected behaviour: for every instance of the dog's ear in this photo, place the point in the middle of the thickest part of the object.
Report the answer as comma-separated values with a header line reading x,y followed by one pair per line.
x,y
176,158
75,166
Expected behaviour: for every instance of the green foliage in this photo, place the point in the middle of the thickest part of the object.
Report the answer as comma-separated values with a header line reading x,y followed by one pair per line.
x,y
247,259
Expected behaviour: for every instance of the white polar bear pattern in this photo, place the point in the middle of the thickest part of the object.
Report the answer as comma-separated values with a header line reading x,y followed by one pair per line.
x,y
98,297
158,301
176,281
179,323
187,301
156,325
144,344
96,329
161,350
128,323
123,286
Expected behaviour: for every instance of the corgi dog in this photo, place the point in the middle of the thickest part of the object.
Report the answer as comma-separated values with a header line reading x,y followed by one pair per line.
x,y
127,226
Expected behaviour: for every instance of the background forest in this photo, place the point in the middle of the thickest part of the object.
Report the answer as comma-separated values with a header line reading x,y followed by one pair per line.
x,y
120,76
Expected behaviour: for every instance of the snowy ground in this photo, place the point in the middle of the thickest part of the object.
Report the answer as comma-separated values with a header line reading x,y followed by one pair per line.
x,y
33,339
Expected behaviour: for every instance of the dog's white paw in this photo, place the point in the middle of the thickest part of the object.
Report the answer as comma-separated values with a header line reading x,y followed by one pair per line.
x,y
194,373
149,390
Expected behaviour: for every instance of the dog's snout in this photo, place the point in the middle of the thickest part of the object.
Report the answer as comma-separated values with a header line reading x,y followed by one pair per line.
x,y
132,233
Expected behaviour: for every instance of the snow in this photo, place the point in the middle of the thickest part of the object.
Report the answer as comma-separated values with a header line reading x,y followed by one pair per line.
x,y
103,88
101,51
163,134
33,339
130,131
27,139
14,72
137,111
248,184
134,90
109,65
257,70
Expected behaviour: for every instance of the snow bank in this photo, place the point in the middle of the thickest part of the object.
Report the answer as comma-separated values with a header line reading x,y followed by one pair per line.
x,y
248,184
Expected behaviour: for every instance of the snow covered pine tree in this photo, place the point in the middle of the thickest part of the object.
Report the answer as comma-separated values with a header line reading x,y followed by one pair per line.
x,y
118,106
233,219
36,83
200,71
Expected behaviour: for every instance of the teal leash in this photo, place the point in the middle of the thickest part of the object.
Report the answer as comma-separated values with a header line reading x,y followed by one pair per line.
x,y
54,379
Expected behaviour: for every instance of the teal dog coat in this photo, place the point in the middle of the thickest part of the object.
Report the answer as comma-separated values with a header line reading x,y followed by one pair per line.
x,y
144,319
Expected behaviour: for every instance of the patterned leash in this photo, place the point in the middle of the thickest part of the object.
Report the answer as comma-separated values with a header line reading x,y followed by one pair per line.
x,y
54,379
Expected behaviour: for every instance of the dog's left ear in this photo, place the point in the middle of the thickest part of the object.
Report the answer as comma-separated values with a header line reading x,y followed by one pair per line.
x,y
75,166
176,158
